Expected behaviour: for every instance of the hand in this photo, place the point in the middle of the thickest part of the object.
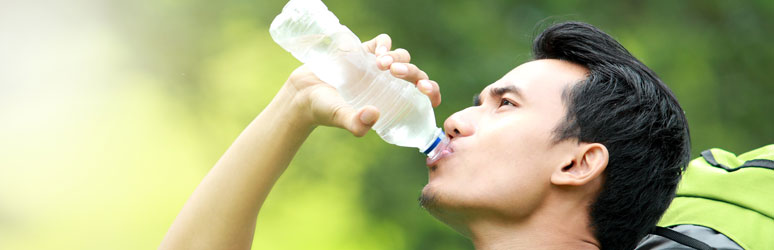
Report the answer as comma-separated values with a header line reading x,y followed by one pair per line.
x,y
321,104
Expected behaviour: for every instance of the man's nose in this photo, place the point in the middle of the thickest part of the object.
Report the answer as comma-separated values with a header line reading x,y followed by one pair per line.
x,y
460,124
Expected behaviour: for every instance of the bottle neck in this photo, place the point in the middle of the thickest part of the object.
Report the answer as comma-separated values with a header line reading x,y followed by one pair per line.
x,y
439,143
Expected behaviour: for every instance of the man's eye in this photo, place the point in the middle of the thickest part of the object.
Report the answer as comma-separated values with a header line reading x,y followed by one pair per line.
x,y
506,102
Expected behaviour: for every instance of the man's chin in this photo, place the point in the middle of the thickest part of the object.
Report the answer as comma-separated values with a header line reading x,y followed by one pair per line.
x,y
435,196
434,204
428,199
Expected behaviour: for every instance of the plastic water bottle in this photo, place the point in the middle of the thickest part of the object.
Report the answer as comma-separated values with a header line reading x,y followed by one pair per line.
x,y
315,37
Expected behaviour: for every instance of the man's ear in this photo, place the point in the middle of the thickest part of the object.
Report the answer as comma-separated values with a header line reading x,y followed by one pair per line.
x,y
589,162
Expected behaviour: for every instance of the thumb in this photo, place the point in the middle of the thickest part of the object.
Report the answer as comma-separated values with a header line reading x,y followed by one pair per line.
x,y
361,121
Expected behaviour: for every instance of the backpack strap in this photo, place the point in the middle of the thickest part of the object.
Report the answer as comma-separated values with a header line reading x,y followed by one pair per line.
x,y
756,163
680,238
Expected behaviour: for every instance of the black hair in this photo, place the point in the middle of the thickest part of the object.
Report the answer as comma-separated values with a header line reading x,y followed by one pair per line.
x,y
623,105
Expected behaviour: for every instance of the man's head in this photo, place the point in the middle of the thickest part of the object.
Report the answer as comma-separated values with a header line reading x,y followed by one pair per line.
x,y
584,128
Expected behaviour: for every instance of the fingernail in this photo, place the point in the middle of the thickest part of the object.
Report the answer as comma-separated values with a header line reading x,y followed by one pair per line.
x,y
399,69
425,86
381,50
385,61
367,118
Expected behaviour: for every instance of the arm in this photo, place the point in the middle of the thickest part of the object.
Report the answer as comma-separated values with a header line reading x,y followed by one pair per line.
x,y
222,211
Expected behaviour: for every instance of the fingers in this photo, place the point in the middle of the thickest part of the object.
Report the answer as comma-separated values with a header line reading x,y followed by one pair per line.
x,y
367,117
357,122
398,62
430,89
412,74
379,45
364,119
408,72
399,55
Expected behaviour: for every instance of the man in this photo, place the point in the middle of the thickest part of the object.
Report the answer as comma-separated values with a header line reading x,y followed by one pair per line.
x,y
581,148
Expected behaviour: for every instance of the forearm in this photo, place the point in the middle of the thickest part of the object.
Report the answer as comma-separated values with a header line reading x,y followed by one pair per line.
x,y
222,211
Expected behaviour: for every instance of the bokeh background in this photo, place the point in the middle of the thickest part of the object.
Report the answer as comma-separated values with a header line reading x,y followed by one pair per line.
x,y
111,112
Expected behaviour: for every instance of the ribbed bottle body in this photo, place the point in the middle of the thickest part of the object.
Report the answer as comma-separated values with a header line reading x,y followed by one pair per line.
x,y
313,35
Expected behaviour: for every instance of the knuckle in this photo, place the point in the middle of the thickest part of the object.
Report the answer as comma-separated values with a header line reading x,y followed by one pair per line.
x,y
383,39
383,36
297,76
413,69
403,54
336,115
423,75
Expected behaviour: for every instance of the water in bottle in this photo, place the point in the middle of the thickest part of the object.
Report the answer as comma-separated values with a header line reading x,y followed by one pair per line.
x,y
314,36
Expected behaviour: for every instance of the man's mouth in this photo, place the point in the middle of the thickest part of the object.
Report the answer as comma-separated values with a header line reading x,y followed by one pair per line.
x,y
444,153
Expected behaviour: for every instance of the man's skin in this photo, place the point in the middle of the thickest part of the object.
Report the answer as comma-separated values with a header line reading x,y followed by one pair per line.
x,y
505,182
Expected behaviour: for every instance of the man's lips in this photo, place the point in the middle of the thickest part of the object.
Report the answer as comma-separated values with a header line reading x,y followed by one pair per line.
x,y
444,153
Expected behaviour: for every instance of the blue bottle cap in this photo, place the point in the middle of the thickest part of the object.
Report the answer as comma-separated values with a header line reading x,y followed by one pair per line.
x,y
435,143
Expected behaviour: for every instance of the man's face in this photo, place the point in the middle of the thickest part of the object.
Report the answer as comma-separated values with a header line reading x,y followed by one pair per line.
x,y
503,150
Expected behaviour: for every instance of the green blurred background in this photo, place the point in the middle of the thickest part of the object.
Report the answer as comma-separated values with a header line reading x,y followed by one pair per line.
x,y
111,112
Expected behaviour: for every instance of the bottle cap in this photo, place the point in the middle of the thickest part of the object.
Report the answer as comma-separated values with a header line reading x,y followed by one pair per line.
x,y
435,143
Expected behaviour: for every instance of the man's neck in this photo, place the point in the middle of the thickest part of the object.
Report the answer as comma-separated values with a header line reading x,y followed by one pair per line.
x,y
548,228
531,239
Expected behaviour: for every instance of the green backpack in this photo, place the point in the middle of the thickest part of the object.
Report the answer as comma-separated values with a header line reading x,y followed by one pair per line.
x,y
734,195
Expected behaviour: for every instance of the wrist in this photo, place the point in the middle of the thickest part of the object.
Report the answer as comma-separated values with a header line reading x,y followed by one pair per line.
x,y
293,107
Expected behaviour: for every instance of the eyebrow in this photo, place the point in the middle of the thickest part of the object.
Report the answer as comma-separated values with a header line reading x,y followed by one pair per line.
x,y
498,92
